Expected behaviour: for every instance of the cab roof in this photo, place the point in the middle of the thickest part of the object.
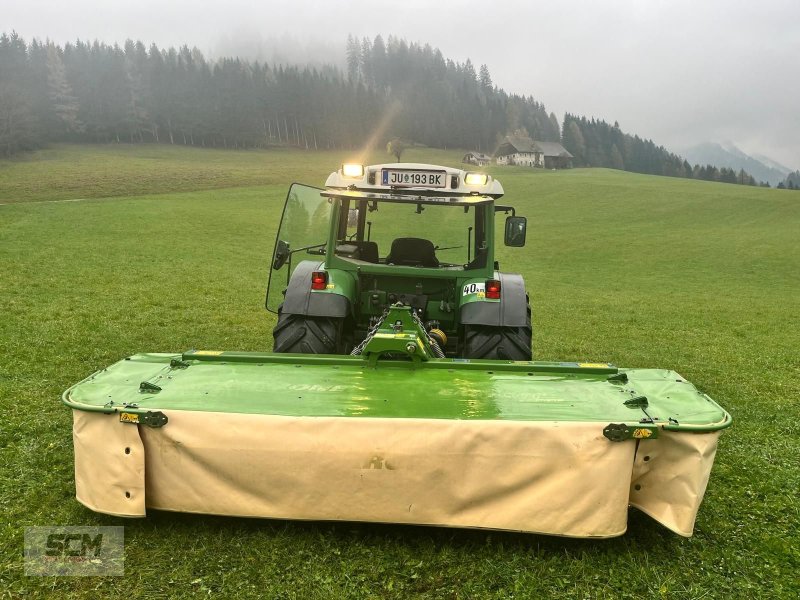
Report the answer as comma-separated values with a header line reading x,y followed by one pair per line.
x,y
454,186
418,198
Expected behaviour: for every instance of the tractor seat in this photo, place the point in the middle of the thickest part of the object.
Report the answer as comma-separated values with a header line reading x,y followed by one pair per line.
x,y
414,252
368,251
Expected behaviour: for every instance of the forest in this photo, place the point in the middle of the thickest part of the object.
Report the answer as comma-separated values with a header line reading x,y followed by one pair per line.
x,y
92,92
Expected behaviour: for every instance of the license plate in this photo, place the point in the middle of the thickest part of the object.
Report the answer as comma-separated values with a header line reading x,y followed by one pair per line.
x,y
407,178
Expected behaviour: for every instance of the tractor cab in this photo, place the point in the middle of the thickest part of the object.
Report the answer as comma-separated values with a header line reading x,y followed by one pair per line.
x,y
415,215
375,236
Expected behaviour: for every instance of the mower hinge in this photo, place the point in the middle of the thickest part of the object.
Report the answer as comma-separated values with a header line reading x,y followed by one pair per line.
x,y
618,378
146,386
616,432
619,432
177,363
153,419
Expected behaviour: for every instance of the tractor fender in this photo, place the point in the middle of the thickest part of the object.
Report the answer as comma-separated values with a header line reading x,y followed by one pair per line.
x,y
300,299
510,311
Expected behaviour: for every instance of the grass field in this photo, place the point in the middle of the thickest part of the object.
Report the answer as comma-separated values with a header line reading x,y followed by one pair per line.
x,y
169,251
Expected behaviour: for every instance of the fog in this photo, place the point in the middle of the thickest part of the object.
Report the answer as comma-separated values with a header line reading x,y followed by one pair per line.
x,y
679,72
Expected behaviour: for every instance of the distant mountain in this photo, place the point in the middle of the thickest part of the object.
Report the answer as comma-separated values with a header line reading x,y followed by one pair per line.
x,y
728,155
771,163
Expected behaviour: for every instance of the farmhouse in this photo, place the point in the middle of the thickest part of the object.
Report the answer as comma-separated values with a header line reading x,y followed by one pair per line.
x,y
523,151
476,158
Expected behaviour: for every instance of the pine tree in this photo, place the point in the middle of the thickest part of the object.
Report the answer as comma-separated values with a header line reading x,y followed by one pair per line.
x,y
365,64
555,129
469,71
573,141
18,129
793,178
616,158
378,60
353,50
485,78
138,118
64,103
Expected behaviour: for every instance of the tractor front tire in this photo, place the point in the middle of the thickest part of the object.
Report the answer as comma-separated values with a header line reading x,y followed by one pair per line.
x,y
308,335
498,343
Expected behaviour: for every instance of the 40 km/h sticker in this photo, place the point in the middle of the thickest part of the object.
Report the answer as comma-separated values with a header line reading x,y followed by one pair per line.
x,y
474,288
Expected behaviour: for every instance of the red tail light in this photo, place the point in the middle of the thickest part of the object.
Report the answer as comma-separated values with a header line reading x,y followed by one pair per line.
x,y
493,289
319,280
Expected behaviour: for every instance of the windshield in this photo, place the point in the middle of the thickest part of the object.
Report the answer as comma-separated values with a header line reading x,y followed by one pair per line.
x,y
410,234
303,232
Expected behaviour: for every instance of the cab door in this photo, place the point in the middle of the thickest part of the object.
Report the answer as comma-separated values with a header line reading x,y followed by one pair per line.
x,y
303,231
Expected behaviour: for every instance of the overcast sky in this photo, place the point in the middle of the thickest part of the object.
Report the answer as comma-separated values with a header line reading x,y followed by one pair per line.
x,y
677,71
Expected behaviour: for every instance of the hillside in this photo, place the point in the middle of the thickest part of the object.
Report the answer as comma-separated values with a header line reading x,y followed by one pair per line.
x,y
72,171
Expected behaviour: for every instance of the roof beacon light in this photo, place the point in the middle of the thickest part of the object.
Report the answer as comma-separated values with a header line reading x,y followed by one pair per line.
x,y
354,171
476,178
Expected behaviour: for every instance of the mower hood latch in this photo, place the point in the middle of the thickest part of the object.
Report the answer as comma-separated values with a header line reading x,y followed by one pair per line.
x,y
637,402
620,377
641,402
148,387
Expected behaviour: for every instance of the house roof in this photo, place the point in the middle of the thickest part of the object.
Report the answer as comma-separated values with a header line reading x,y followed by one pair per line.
x,y
553,149
513,144
478,155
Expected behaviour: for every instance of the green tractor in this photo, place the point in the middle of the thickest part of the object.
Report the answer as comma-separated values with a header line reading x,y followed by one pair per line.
x,y
414,235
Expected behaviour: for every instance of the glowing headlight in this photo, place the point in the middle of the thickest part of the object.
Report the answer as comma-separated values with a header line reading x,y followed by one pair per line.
x,y
476,178
354,171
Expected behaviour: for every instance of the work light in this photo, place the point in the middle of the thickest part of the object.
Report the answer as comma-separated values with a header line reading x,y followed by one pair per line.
x,y
476,178
354,171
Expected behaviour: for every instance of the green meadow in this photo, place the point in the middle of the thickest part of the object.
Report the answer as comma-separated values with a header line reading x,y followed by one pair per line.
x,y
106,251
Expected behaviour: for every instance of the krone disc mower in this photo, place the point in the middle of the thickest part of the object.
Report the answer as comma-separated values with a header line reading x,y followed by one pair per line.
x,y
401,388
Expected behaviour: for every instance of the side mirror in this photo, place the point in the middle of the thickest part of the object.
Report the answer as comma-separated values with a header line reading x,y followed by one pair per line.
x,y
281,254
515,231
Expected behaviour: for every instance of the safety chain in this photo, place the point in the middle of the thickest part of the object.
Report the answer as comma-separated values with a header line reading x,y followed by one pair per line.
x,y
360,348
431,342
374,329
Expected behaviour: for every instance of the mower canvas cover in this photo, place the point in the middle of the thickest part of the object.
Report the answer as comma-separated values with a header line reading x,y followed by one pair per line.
x,y
554,448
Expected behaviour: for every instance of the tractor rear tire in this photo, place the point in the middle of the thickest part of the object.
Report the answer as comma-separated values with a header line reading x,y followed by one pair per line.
x,y
308,335
498,343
